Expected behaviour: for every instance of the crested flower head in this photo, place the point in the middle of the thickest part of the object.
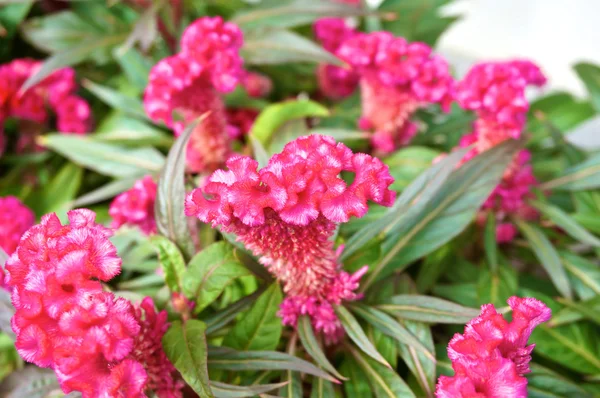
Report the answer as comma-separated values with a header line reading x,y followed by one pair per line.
x,y
287,212
396,79
190,83
490,358
64,320
135,207
15,219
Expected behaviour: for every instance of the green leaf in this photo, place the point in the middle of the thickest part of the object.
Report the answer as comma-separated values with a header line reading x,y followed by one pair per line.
x,y
107,159
294,387
419,364
185,346
260,328
358,336
357,385
228,359
548,257
222,390
588,309
312,347
566,222
428,224
408,163
291,13
385,382
275,115
586,275
210,272
171,260
545,383
497,286
105,192
170,196
388,326
221,318
322,389
574,346
428,309
274,46
580,177
58,194
128,105
119,128
11,17
489,242
590,75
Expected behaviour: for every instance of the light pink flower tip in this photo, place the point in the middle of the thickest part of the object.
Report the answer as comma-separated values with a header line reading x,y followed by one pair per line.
x,y
299,183
492,355
257,85
15,219
135,207
64,320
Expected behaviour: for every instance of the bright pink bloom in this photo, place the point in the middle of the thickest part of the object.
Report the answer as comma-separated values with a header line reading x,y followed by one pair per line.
x,y
15,219
240,121
257,85
491,357
287,212
135,207
162,376
334,81
55,93
190,83
396,79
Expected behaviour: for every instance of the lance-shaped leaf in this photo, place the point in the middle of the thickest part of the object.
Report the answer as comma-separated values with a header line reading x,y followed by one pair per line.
x,y
419,364
105,192
311,345
545,383
429,224
171,260
129,105
170,196
228,314
585,275
385,382
223,390
228,359
548,257
322,388
358,335
580,177
185,346
490,244
293,388
566,222
428,309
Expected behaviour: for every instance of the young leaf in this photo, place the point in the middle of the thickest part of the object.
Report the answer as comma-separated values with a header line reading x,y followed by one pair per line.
x,y
548,257
222,390
358,336
210,272
185,346
274,46
566,222
260,328
170,196
312,347
107,159
428,309
385,382
171,260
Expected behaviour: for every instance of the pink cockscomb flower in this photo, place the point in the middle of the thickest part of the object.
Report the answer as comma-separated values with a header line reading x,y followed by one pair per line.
x,y
135,207
15,219
257,85
240,121
163,378
490,358
53,95
335,82
396,79
287,213
190,84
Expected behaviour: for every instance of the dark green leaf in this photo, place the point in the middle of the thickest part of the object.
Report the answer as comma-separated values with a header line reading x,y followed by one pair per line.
x,y
210,272
497,286
322,389
588,310
59,193
566,222
312,347
357,385
171,260
185,346
428,309
294,387
489,241
222,390
260,328
548,257
545,383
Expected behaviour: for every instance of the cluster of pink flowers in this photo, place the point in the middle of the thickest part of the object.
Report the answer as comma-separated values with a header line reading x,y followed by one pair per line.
x,y
56,92
396,79
287,212
192,82
15,219
135,207
491,357
496,92
65,321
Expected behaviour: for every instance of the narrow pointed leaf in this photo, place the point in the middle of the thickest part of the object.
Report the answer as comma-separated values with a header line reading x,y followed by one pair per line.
x,y
428,309
222,390
105,192
419,364
311,345
171,260
228,314
322,389
129,105
567,223
580,177
489,242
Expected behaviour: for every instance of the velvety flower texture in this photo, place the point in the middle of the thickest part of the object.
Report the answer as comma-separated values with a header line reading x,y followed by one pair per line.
x,y
187,85
491,357
396,79
135,207
15,219
56,93
287,212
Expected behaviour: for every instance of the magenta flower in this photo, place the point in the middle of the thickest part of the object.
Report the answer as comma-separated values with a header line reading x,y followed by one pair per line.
x,y
396,79
135,207
15,219
257,85
287,212
491,357
190,84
